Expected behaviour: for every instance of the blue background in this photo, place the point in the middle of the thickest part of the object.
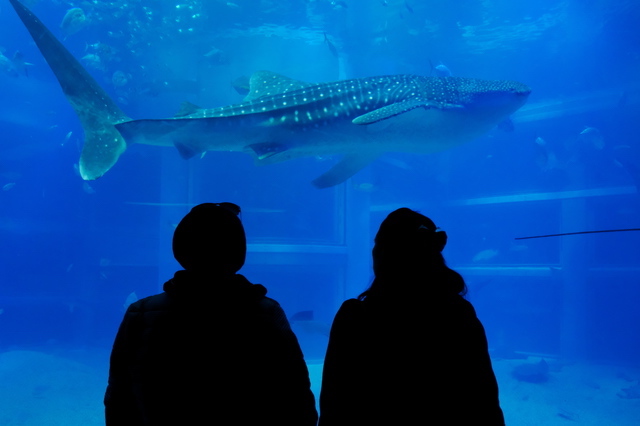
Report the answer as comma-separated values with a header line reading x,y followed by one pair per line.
x,y
72,252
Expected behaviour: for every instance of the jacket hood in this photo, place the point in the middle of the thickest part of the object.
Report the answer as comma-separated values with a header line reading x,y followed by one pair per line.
x,y
189,284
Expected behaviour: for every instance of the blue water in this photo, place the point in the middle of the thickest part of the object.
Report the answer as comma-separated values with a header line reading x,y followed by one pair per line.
x,y
73,252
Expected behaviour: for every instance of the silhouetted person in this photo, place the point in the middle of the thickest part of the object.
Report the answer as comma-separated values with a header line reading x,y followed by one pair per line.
x,y
211,349
410,350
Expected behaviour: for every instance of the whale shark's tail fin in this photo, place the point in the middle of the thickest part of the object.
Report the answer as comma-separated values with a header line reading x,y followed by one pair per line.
x,y
103,144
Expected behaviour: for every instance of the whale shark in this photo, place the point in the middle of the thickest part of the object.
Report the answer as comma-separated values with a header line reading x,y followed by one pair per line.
x,y
282,118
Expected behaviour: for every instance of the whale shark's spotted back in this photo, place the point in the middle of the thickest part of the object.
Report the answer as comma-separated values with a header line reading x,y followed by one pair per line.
x,y
294,102
304,103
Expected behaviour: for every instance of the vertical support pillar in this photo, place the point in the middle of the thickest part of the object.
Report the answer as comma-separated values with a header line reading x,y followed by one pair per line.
x,y
175,189
358,241
574,261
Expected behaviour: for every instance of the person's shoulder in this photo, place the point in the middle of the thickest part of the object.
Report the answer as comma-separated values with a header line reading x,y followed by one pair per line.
x,y
350,308
155,302
465,303
463,306
269,303
269,308
351,304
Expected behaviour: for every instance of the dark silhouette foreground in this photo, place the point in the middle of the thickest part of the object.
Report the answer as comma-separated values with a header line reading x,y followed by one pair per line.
x,y
211,349
410,350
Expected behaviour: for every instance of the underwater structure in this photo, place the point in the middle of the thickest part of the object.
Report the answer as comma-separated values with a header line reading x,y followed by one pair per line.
x,y
559,311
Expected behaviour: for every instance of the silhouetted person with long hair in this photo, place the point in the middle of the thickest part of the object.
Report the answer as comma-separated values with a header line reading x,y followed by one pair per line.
x,y
211,349
410,349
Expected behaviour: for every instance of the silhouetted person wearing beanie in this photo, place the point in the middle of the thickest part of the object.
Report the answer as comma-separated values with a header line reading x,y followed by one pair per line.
x,y
211,349
410,349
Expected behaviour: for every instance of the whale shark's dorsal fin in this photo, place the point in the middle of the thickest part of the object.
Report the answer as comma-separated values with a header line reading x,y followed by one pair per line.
x,y
267,83
187,108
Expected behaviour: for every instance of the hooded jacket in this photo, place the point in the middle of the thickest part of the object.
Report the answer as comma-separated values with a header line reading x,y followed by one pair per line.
x,y
208,351
408,361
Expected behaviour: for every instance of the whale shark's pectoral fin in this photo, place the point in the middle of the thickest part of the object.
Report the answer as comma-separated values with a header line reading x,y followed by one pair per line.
x,y
390,111
187,148
348,166
396,109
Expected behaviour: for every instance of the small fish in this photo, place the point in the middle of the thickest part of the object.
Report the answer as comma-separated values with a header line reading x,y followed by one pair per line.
x,y
120,78
592,137
332,47
625,157
304,321
545,158
66,138
519,247
531,372
506,125
396,163
485,255
338,4
73,21
378,41
555,272
241,85
366,187
441,70
216,56
568,415
7,67
9,186
131,298
88,189
93,61
105,50
632,392
20,64
408,6
94,46
213,52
